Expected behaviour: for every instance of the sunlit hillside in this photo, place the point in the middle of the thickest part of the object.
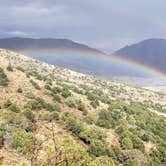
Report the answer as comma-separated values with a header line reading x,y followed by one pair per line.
x,y
54,116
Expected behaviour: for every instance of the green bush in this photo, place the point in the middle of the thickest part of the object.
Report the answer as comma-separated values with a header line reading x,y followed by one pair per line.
x,y
73,124
105,119
103,161
66,93
56,98
35,85
19,90
89,118
9,67
95,103
91,134
20,69
12,117
13,107
22,141
81,106
70,101
30,95
7,104
51,116
127,143
137,143
98,148
2,133
29,114
3,78
1,139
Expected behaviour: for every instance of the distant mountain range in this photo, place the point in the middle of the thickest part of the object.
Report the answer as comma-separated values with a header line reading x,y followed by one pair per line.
x,y
150,52
20,44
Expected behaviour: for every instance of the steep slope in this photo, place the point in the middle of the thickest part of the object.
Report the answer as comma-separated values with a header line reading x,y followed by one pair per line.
x,y
151,52
54,116
21,44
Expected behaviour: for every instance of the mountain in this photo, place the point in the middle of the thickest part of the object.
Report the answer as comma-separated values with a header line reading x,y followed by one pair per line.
x,y
55,116
150,52
21,44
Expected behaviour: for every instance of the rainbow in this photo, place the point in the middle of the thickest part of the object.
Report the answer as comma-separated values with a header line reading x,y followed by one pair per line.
x,y
145,68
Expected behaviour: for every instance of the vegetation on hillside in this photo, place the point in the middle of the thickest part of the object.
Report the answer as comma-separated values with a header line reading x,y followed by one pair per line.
x,y
46,120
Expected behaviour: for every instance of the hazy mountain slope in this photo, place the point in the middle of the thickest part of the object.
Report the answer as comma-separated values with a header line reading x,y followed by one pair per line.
x,y
151,52
54,116
19,44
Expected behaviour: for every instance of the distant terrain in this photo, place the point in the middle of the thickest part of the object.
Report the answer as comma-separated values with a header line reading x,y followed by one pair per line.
x,y
21,44
150,52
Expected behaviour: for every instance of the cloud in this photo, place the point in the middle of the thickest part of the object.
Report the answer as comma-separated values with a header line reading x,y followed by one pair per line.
x,y
107,25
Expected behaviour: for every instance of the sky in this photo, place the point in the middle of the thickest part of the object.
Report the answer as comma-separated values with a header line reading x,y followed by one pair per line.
x,y
104,24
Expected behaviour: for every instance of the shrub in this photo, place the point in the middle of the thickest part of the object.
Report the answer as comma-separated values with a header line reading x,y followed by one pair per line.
x,y
47,87
127,143
35,85
7,104
51,116
66,93
98,148
3,78
70,101
56,98
73,124
22,141
12,117
91,134
19,90
29,115
9,67
95,103
20,69
105,119
13,107
137,143
90,119
81,106
2,132
103,161
30,95
1,139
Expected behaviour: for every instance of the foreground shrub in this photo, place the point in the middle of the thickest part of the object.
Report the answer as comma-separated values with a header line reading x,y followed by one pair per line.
x,y
98,148
22,141
73,124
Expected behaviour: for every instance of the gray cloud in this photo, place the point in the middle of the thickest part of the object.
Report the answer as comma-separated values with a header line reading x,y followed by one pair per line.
x,y
104,24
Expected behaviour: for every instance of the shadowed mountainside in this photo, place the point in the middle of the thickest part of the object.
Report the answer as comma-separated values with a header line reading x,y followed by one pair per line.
x,y
20,44
150,52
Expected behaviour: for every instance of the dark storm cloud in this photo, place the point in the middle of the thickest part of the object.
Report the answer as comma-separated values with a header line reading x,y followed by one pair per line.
x,y
105,24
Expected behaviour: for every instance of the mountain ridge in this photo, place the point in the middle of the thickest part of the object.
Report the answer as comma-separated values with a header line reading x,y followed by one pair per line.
x,y
150,52
19,44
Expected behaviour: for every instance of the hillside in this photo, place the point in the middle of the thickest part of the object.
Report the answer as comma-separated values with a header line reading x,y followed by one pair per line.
x,y
54,116
23,44
150,52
